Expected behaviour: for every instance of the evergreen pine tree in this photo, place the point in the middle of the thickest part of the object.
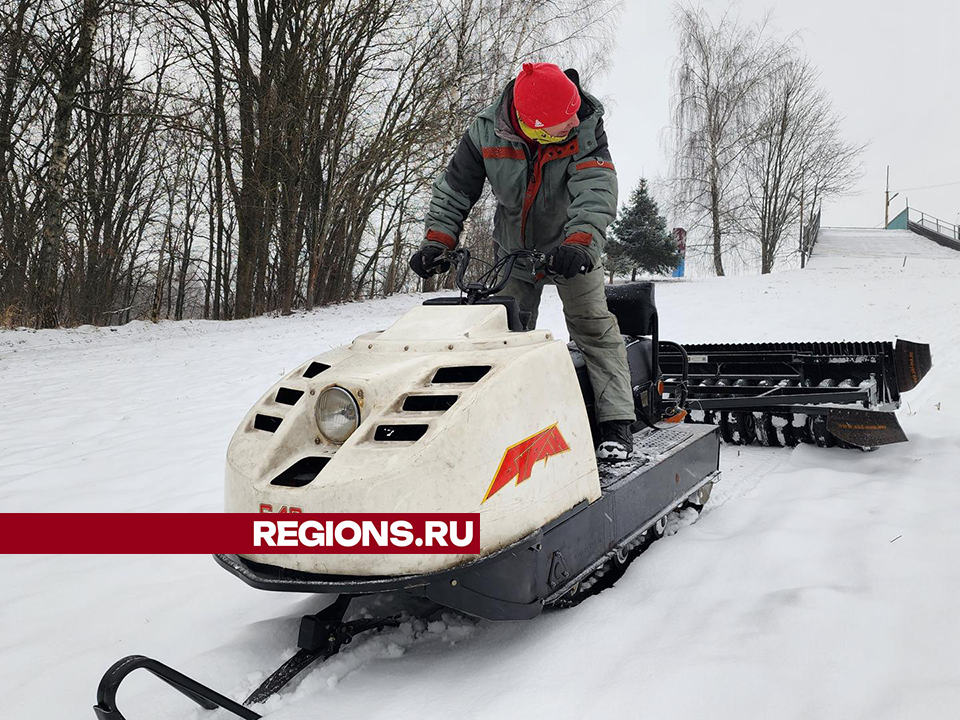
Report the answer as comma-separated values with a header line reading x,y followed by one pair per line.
x,y
640,238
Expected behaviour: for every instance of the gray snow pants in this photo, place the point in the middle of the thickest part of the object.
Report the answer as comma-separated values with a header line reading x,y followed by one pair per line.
x,y
594,328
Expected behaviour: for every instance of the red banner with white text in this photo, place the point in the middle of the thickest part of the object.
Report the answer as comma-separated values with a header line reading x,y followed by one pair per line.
x,y
240,533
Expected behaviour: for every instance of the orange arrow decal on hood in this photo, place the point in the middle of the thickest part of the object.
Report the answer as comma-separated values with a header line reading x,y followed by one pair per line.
x,y
518,459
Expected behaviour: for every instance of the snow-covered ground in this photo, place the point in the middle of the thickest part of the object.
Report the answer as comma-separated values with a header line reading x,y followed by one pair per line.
x,y
819,584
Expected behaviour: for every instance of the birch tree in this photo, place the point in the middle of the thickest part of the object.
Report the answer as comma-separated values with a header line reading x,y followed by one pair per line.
x,y
718,70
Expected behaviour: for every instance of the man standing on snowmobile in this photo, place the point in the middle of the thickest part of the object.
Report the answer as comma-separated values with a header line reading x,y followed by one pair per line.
x,y
543,148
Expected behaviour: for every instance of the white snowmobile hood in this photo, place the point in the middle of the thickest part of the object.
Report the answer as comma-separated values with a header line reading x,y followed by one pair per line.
x,y
530,390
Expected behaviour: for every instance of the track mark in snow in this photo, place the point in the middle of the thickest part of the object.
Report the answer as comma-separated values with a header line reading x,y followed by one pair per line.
x,y
742,469
387,644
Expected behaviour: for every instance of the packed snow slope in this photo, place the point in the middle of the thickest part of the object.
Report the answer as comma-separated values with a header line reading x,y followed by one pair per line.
x,y
850,248
819,583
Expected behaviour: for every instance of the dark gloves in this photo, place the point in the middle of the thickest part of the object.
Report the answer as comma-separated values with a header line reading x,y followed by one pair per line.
x,y
426,262
568,260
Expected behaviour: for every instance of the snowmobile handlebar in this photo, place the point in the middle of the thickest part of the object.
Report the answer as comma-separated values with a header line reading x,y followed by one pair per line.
x,y
493,280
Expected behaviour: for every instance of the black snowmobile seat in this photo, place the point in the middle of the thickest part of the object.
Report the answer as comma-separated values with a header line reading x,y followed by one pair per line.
x,y
634,307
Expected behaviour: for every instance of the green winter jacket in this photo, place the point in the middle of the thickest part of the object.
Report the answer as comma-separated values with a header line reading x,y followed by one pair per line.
x,y
564,192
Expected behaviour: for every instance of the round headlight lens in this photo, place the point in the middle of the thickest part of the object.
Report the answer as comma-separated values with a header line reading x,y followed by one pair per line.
x,y
338,414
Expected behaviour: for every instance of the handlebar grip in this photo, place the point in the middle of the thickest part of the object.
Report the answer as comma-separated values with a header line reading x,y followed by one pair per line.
x,y
549,269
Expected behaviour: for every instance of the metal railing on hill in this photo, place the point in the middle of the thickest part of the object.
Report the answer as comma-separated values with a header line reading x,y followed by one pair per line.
x,y
808,238
941,227
933,228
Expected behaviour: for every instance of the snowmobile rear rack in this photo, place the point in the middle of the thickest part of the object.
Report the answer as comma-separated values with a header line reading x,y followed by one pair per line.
x,y
321,636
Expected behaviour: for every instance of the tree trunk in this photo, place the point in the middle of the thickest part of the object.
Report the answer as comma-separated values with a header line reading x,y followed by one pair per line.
x,y
12,272
76,67
715,221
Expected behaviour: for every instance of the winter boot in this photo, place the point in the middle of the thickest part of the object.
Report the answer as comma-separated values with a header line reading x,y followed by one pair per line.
x,y
616,441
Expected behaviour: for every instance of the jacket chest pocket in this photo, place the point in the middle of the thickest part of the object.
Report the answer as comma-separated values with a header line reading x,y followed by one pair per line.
x,y
554,196
506,169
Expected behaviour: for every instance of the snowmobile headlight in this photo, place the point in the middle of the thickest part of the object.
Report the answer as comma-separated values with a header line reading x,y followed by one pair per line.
x,y
338,414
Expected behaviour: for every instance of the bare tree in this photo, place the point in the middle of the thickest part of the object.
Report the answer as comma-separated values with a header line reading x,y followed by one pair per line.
x,y
225,158
796,149
719,68
74,66
21,107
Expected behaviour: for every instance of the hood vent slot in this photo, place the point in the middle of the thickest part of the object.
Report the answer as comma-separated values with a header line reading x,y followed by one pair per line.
x,y
267,422
302,472
400,433
288,396
315,369
428,403
460,374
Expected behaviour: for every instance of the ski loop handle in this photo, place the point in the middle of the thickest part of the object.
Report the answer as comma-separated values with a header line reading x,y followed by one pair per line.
x,y
106,707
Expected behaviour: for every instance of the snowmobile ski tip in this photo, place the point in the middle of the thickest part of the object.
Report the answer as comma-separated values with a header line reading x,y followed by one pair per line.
x,y
322,635
106,707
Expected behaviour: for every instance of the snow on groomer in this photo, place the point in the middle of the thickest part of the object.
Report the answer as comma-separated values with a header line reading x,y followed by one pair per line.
x,y
543,148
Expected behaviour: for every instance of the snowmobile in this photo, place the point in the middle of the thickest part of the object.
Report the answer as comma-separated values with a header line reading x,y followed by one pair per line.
x,y
457,408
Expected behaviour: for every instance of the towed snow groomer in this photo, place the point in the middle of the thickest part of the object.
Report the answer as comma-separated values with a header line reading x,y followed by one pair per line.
x,y
784,394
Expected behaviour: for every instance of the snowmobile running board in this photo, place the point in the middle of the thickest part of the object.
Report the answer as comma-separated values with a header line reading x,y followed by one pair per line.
x,y
786,393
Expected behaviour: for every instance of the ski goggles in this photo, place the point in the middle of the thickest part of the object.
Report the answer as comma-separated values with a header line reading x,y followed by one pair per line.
x,y
544,138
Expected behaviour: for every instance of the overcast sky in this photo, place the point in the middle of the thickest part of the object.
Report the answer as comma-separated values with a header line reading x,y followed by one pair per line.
x,y
892,68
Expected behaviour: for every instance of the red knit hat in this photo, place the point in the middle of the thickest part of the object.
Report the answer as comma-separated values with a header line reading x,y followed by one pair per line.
x,y
544,96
